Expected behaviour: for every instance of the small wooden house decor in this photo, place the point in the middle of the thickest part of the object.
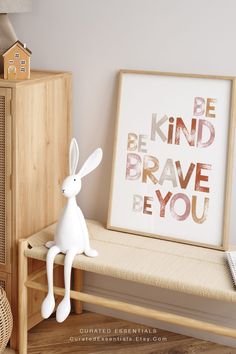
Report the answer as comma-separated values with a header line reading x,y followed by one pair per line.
x,y
16,62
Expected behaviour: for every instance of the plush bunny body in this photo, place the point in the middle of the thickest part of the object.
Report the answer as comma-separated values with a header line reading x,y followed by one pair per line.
x,y
76,231
71,237
73,230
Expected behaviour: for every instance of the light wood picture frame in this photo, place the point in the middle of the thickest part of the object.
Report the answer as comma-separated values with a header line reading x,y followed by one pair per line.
x,y
173,157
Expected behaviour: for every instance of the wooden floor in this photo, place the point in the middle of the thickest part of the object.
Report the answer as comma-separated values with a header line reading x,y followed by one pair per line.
x,y
94,333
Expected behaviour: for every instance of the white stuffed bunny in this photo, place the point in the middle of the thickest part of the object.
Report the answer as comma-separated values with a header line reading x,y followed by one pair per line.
x,y
71,237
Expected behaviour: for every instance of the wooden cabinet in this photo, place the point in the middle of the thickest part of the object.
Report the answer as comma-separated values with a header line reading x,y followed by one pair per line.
x,y
35,118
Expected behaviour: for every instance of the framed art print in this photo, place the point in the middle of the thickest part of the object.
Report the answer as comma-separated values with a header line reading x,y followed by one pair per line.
x,y
172,164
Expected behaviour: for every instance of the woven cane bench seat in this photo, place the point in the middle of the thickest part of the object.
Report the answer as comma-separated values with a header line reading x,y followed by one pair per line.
x,y
174,266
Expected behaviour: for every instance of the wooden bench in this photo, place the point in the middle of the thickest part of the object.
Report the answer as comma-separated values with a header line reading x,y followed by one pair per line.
x,y
164,264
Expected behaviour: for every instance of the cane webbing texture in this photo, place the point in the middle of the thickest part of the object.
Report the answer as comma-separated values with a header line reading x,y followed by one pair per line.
x,y
160,263
3,284
2,181
6,321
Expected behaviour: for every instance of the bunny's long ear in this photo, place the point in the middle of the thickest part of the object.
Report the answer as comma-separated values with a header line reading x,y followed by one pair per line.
x,y
91,163
74,156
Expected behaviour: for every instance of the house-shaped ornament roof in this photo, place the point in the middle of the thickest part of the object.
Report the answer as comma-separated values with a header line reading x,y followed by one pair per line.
x,y
25,49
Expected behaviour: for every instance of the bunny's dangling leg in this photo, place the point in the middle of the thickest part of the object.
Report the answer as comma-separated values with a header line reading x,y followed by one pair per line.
x,y
64,307
49,301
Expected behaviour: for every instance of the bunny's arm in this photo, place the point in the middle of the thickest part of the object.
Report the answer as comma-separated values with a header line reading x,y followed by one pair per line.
x,y
49,244
87,249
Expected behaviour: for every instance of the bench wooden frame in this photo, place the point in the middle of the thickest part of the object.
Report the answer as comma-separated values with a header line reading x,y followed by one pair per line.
x,y
30,281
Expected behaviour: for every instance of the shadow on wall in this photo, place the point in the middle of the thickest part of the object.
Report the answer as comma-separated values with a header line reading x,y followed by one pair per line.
x,y
99,209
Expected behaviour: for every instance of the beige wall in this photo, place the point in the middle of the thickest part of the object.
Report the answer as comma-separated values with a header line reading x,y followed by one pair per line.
x,y
95,38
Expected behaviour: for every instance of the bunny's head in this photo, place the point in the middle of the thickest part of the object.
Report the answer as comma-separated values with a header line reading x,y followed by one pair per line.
x,y
72,184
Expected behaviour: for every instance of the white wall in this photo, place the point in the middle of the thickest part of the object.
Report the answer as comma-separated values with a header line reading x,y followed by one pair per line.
x,y
96,38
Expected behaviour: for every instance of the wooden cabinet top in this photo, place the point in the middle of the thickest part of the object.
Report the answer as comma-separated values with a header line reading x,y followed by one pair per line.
x,y
35,77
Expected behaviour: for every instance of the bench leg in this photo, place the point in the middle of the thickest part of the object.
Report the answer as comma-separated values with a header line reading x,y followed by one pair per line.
x,y
78,286
22,297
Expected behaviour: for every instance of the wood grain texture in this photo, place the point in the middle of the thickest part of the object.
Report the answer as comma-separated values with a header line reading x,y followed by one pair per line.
x,y
162,73
38,129
41,152
22,295
78,280
36,76
49,337
41,126
140,311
